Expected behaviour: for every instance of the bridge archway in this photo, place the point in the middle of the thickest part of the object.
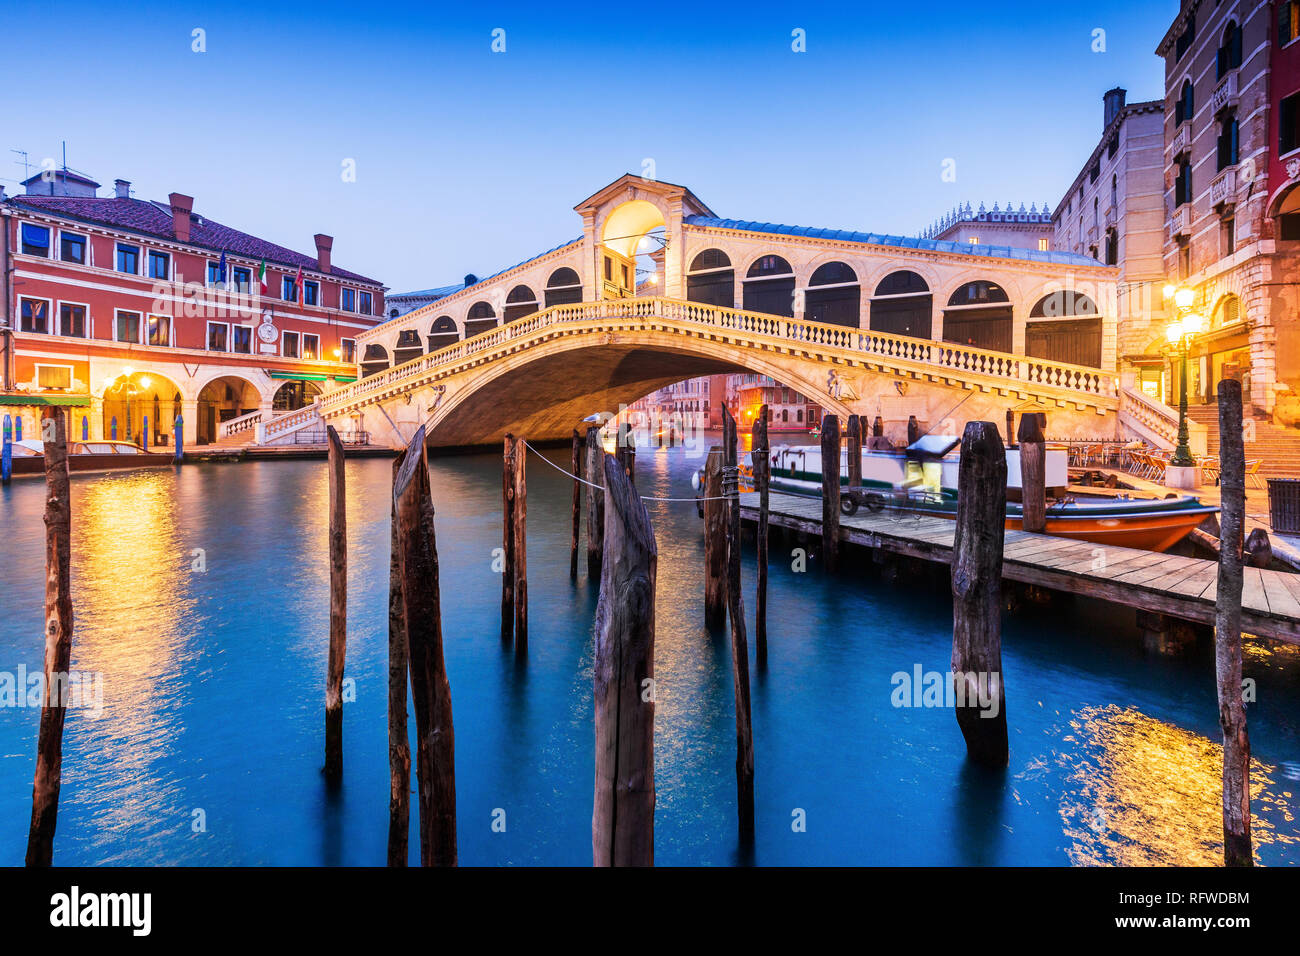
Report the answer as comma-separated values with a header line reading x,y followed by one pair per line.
x,y
626,236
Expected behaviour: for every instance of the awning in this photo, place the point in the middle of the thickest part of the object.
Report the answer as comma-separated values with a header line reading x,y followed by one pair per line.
x,y
297,376
344,378
12,399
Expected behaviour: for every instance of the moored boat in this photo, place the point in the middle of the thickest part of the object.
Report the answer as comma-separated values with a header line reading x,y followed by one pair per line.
x,y
107,455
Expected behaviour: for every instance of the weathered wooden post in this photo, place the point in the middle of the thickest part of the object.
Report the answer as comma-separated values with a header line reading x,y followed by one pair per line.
x,y
519,527
1227,631
595,502
761,456
977,594
854,436
338,608
1033,472
144,433
575,466
422,622
1011,427
739,643
623,810
7,451
178,442
831,492
85,428
715,542
877,427
58,639
508,540
913,429
399,746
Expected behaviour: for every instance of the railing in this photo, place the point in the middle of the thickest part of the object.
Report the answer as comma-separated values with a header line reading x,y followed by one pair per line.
x,y
764,331
232,426
1156,423
1224,188
1225,94
287,424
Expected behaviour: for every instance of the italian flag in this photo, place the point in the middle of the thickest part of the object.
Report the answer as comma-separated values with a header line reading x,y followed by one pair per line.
x,y
261,275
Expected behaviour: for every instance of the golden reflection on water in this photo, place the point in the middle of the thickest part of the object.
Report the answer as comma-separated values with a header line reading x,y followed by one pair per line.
x,y
1149,793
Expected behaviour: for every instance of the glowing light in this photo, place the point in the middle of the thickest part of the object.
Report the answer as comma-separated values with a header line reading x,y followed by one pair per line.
x,y
1183,298
144,381
1170,290
1193,322
1175,332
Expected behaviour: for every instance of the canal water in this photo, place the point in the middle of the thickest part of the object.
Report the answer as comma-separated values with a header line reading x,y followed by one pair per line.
x,y
201,598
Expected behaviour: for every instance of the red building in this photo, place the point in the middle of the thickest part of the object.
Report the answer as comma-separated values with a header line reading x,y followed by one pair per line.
x,y
119,307
1284,110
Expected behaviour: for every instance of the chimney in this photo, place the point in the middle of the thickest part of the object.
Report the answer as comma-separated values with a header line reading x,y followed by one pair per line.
x,y
1113,101
121,189
324,244
181,206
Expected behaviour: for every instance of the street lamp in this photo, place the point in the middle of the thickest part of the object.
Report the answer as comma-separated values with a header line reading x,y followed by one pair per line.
x,y
1181,332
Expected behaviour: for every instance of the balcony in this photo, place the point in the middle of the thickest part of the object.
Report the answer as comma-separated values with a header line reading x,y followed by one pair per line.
x,y
1182,140
1223,191
1225,94
1180,222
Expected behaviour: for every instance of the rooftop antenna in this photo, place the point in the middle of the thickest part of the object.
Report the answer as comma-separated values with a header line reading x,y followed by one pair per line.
x,y
23,154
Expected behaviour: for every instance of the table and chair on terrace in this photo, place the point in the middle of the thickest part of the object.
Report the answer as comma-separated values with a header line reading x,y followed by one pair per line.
x,y
1146,462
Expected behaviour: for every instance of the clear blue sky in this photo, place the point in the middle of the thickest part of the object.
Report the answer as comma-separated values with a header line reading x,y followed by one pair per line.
x,y
469,160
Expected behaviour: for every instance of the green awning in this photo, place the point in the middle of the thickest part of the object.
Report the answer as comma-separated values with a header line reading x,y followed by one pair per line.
x,y
12,399
297,376
344,378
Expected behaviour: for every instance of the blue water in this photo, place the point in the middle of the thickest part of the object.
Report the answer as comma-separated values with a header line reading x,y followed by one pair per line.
x,y
209,745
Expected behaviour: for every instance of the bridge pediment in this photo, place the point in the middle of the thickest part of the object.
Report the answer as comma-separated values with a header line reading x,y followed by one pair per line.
x,y
629,186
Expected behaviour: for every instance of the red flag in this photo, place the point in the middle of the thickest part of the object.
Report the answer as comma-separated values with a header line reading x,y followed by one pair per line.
x,y
298,286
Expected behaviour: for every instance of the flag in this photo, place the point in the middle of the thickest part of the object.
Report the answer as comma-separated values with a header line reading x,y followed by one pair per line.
x,y
261,275
221,269
297,286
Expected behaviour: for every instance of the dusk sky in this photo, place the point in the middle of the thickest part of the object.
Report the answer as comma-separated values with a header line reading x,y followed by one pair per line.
x,y
469,161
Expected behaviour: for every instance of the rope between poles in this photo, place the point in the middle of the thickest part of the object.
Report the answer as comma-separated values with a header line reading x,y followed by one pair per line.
x,y
590,484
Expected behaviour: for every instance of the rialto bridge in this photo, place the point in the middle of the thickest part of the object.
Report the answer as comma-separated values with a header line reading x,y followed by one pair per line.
x,y
857,322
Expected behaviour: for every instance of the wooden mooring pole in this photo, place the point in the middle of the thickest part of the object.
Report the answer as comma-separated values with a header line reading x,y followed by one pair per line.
x,y
831,492
1227,631
422,621
399,745
977,595
58,639
739,643
623,810
575,466
514,544
595,502
854,436
338,608
761,456
715,542
508,540
1033,474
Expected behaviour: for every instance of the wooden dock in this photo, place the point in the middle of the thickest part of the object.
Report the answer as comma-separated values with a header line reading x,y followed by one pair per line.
x,y
1162,583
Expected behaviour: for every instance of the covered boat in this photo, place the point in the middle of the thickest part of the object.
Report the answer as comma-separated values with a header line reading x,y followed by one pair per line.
x,y
108,455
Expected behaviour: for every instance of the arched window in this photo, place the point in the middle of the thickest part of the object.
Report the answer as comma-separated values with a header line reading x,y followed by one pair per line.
x,y
711,279
979,314
902,305
1063,302
1184,108
1229,55
563,287
520,302
1111,257
1072,332
769,287
408,347
442,333
1114,192
1227,312
1183,183
480,317
1228,142
374,360
833,296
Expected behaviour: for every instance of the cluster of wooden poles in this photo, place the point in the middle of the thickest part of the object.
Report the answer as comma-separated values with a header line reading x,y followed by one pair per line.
x,y
622,551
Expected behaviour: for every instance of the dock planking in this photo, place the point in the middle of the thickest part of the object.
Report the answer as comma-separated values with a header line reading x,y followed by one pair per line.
x,y
1165,583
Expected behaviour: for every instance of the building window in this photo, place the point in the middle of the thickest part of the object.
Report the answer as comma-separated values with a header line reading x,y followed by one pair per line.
x,y
1183,183
1112,247
54,376
1229,235
128,259
159,330
1288,22
126,328
1229,55
1288,124
974,240
1184,261
367,303
1289,226
288,289
72,248
1114,192
347,350
35,241
609,269
243,278
34,315
1228,312
1228,143
214,274
290,345
1094,172
1096,215
310,292
218,337
159,265
310,346
1185,106
1186,38
242,338
348,300
72,320
1044,245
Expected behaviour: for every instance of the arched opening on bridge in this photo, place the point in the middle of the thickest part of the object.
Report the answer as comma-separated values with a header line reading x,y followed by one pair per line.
x,y
1072,332
134,396
979,314
711,279
374,360
407,347
563,287
769,287
903,305
443,333
221,400
834,296
480,318
631,241
520,302
294,395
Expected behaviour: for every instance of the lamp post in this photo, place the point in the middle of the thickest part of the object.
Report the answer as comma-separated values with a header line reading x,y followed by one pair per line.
x,y
1181,332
